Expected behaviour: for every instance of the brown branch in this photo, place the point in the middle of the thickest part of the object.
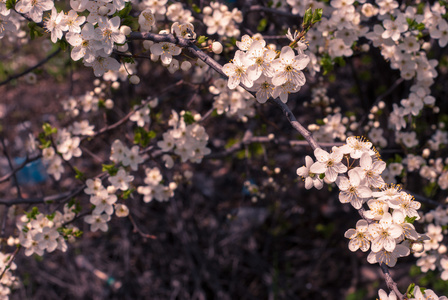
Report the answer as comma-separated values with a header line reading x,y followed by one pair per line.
x,y
391,284
16,182
13,256
189,44
48,199
28,70
137,229
19,167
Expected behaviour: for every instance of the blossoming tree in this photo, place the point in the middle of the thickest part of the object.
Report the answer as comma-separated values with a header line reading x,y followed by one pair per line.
x,y
258,91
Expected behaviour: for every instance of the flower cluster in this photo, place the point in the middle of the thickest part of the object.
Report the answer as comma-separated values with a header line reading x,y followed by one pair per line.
x,y
259,69
39,232
386,228
154,188
416,293
237,102
187,141
8,280
221,21
105,201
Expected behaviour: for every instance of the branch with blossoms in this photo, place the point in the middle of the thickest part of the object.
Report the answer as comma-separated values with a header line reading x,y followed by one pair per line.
x,y
99,38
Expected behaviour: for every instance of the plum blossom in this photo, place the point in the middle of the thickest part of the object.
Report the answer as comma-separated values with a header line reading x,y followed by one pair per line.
x,y
328,163
359,237
310,178
288,67
237,71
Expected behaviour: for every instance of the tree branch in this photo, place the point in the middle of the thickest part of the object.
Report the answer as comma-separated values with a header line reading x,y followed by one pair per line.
x,y
42,62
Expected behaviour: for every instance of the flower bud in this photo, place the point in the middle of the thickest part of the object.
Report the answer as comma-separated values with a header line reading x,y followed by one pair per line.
x,y
109,104
116,85
134,79
216,47
417,247
207,10
185,66
125,30
121,210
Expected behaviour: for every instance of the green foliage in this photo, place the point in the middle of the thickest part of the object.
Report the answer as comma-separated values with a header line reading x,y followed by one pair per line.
x,y
10,4
410,220
311,17
410,290
413,25
79,175
196,8
48,129
125,11
111,169
34,30
202,39
430,189
74,205
63,44
307,18
326,63
51,216
33,213
143,136
317,16
125,195
44,143
128,59
262,25
340,61
188,118
230,143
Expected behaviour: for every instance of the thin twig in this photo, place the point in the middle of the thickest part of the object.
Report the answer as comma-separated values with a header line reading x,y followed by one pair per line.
x,y
16,182
391,284
137,229
28,70
13,256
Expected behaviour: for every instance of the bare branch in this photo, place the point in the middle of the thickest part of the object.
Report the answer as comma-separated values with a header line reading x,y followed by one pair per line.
x,y
28,70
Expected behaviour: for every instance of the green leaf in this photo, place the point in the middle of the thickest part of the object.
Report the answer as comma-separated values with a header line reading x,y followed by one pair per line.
x,y
317,16
125,11
79,175
51,216
111,169
63,45
48,130
410,220
142,136
327,64
420,27
129,60
125,195
410,290
196,8
340,61
322,176
307,18
202,39
262,25
10,4
188,118
33,213
430,189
